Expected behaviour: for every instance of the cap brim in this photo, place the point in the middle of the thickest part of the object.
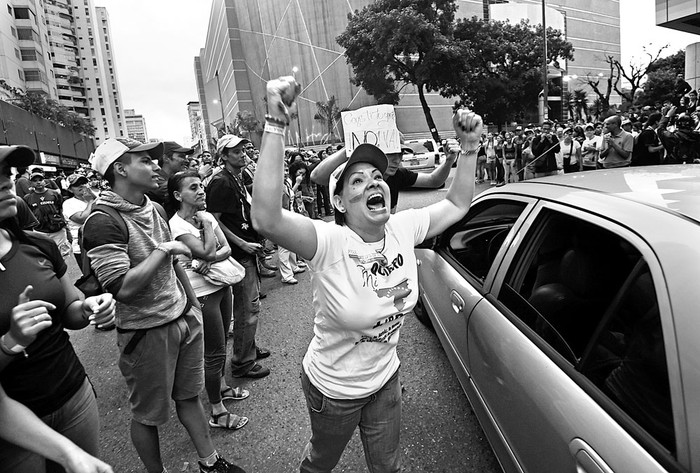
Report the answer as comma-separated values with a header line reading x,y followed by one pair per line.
x,y
154,150
17,156
79,182
364,153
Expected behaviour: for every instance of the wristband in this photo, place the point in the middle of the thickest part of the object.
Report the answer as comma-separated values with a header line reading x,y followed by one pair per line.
x,y
12,348
275,120
274,129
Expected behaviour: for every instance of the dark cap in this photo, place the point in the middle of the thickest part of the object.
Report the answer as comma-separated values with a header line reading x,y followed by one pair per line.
x,y
170,147
364,153
75,180
17,156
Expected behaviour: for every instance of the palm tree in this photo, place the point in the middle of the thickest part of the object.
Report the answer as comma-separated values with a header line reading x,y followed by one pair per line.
x,y
328,112
568,99
581,100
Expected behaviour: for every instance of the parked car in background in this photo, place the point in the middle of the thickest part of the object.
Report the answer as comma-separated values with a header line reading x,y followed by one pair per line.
x,y
420,154
568,308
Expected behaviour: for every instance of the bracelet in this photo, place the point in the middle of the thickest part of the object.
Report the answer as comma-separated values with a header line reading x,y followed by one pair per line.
x,y
275,120
274,129
161,248
469,151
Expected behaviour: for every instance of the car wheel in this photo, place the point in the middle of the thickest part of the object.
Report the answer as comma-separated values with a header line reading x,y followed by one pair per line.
x,y
422,314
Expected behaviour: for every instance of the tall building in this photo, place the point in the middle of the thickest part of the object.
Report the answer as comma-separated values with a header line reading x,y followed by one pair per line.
x,y
63,48
135,126
198,137
250,42
25,55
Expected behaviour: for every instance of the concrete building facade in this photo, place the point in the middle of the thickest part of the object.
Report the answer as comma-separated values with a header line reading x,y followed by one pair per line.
x,y
136,126
683,15
198,137
250,42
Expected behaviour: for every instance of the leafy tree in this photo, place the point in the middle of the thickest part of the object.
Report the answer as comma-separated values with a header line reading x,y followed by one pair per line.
x,y
392,42
674,62
661,79
504,77
45,107
328,113
581,104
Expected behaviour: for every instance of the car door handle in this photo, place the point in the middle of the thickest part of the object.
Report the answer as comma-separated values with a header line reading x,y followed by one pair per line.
x,y
587,460
457,302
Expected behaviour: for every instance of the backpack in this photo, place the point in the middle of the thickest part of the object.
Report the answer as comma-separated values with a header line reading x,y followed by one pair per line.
x,y
88,282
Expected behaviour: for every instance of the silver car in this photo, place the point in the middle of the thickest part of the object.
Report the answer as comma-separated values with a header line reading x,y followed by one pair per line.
x,y
569,308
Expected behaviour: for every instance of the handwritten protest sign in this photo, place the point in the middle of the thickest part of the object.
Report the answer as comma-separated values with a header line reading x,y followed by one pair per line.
x,y
375,125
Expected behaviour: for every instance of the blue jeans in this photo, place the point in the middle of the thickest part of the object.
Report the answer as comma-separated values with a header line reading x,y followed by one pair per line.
x,y
246,307
77,419
333,421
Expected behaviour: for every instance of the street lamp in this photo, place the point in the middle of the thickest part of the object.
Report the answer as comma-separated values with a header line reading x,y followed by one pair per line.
x,y
220,101
545,91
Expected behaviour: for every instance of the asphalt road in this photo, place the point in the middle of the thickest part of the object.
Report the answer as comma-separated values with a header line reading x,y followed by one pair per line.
x,y
440,433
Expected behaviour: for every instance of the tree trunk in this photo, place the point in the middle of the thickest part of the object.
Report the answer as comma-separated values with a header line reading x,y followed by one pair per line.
x,y
428,116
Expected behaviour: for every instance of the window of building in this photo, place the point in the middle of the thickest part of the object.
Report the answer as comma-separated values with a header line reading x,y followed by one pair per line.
x,y
20,74
107,46
9,9
102,111
94,62
102,101
22,13
13,31
17,54
26,34
32,75
29,55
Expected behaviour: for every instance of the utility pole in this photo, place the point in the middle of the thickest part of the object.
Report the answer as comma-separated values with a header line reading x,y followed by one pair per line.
x,y
545,89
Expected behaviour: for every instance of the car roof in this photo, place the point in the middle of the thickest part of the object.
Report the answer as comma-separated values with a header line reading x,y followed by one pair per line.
x,y
675,188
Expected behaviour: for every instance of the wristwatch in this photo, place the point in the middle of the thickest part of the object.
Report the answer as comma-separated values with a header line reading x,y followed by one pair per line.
x,y
15,349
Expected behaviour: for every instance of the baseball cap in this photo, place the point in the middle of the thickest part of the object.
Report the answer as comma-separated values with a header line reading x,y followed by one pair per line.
x,y
75,180
17,156
170,147
229,141
626,121
364,153
589,126
36,174
114,148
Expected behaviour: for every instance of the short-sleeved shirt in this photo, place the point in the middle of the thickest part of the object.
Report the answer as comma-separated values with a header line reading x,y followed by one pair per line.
x,y
642,156
51,373
179,227
46,207
403,179
590,156
361,293
227,195
625,141
71,207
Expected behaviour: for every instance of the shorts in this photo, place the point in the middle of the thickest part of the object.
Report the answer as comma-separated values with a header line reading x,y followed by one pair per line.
x,y
167,363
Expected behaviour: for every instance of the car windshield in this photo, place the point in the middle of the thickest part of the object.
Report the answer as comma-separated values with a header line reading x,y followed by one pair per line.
x,y
421,147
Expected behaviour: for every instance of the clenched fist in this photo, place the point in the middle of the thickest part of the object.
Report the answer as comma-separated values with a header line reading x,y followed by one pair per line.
x,y
280,97
468,127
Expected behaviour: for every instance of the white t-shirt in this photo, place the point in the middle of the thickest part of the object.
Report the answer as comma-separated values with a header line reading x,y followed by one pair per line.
x,y
359,303
588,155
71,207
180,226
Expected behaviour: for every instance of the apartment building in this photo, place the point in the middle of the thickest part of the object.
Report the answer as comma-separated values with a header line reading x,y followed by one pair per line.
x,y
135,126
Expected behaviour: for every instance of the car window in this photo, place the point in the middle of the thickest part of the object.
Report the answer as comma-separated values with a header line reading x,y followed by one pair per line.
x,y
589,294
421,147
475,241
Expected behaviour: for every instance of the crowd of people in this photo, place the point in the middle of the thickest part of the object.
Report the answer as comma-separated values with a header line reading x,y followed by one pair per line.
x,y
669,134
178,244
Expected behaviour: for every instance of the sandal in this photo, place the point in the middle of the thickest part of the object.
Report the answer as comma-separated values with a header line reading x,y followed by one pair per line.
x,y
234,394
232,421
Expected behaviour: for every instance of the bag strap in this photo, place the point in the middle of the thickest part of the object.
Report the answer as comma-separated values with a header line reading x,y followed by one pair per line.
x,y
161,211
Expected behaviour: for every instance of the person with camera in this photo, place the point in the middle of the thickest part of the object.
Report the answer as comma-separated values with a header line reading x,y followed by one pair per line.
x,y
683,144
545,147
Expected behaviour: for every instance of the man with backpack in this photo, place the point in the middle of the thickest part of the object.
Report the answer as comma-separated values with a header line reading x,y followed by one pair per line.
x,y
683,144
159,321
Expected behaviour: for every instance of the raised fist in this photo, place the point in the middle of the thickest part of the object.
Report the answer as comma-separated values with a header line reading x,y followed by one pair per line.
x,y
280,97
468,127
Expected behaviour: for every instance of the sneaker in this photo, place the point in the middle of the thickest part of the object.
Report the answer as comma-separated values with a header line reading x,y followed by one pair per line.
x,y
221,466
301,264
290,280
261,353
298,270
266,273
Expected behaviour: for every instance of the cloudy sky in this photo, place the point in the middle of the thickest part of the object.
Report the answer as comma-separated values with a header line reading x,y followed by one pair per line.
x,y
155,42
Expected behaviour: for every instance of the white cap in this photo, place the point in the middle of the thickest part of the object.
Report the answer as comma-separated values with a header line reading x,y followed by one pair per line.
x,y
114,148
229,141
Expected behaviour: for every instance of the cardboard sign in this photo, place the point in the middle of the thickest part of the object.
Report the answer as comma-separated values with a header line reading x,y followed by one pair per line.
x,y
375,125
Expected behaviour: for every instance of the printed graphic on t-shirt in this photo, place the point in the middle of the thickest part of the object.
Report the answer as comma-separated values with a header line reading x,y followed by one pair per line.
x,y
393,324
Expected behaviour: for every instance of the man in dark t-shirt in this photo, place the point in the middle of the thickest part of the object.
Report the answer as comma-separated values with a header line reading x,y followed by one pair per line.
x,y
229,202
648,149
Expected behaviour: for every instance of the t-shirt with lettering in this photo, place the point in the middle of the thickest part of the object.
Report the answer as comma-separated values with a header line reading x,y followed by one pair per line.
x,y
361,293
